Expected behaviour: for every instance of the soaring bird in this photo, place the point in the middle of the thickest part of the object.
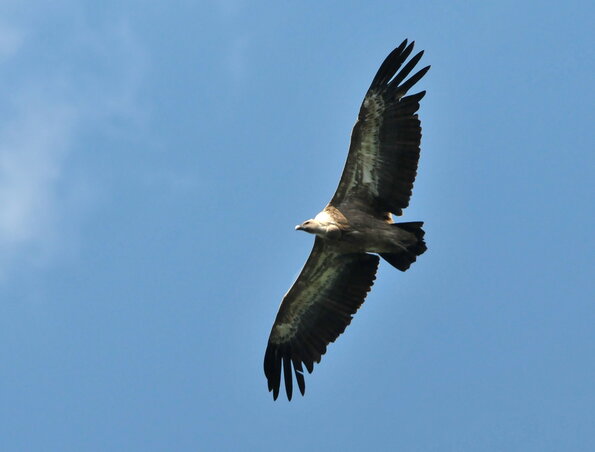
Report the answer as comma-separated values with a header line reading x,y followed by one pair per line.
x,y
355,227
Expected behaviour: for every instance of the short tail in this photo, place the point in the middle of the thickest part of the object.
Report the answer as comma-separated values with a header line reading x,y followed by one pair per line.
x,y
411,238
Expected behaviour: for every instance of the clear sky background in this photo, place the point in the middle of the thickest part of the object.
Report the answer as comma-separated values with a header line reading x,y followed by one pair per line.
x,y
155,157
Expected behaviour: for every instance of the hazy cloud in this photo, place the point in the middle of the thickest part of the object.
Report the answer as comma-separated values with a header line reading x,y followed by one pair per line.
x,y
10,41
33,146
42,115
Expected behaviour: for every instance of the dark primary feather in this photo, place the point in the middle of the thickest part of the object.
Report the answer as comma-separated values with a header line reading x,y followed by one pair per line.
x,y
317,309
385,139
391,64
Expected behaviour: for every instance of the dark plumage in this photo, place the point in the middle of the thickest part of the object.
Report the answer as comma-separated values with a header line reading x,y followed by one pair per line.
x,y
376,182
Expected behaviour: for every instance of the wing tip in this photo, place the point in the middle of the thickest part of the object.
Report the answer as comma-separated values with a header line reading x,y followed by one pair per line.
x,y
391,64
280,360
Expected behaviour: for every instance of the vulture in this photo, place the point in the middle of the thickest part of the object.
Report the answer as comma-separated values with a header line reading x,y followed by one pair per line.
x,y
356,227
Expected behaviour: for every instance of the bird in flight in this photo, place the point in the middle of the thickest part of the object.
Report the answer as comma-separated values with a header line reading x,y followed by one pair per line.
x,y
355,227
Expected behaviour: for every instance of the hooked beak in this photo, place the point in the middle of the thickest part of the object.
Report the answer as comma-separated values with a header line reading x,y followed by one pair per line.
x,y
299,227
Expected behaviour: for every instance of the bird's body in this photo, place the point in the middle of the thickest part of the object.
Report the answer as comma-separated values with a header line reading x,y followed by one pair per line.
x,y
353,231
356,225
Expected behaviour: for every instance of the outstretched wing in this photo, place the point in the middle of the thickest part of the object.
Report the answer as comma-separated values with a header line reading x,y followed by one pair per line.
x,y
316,310
382,161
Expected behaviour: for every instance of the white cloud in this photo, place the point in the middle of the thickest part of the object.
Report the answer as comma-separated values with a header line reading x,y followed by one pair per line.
x,y
41,115
33,146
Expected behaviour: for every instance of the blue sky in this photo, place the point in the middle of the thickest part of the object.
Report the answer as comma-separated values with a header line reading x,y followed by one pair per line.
x,y
155,157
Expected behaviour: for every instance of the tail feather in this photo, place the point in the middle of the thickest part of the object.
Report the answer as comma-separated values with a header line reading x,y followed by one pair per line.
x,y
413,245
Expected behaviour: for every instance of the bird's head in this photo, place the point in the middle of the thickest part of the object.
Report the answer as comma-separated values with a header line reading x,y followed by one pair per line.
x,y
311,226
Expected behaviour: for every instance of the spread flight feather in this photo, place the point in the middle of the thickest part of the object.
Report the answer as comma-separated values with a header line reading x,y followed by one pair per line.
x,y
376,182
